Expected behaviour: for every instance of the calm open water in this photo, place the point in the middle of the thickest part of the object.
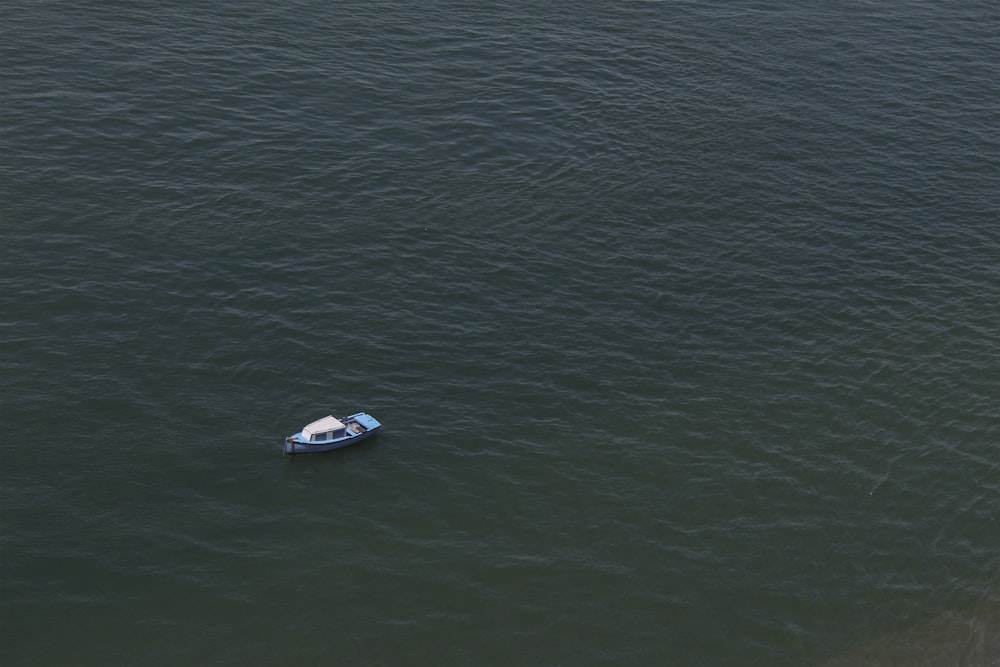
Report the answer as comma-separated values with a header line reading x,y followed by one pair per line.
x,y
681,318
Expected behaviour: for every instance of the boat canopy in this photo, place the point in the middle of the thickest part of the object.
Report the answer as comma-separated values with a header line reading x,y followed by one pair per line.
x,y
328,423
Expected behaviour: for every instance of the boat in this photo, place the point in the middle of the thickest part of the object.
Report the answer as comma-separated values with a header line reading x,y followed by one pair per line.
x,y
329,433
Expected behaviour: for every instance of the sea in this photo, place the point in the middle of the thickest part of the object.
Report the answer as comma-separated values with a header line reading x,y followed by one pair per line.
x,y
681,319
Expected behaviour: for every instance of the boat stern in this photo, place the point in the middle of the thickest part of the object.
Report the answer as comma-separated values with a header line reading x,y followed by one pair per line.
x,y
294,441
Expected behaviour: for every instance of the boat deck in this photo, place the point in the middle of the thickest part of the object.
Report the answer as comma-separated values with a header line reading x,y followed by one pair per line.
x,y
356,428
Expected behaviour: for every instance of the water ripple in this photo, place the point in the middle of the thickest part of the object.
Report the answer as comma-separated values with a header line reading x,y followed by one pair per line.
x,y
681,318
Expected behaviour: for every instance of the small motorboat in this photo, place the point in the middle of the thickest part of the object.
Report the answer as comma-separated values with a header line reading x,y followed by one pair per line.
x,y
330,433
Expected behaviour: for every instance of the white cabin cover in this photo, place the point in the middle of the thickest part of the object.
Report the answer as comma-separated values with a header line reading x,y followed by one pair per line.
x,y
328,423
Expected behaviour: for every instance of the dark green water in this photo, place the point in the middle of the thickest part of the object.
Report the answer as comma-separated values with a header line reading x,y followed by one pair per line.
x,y
681,318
